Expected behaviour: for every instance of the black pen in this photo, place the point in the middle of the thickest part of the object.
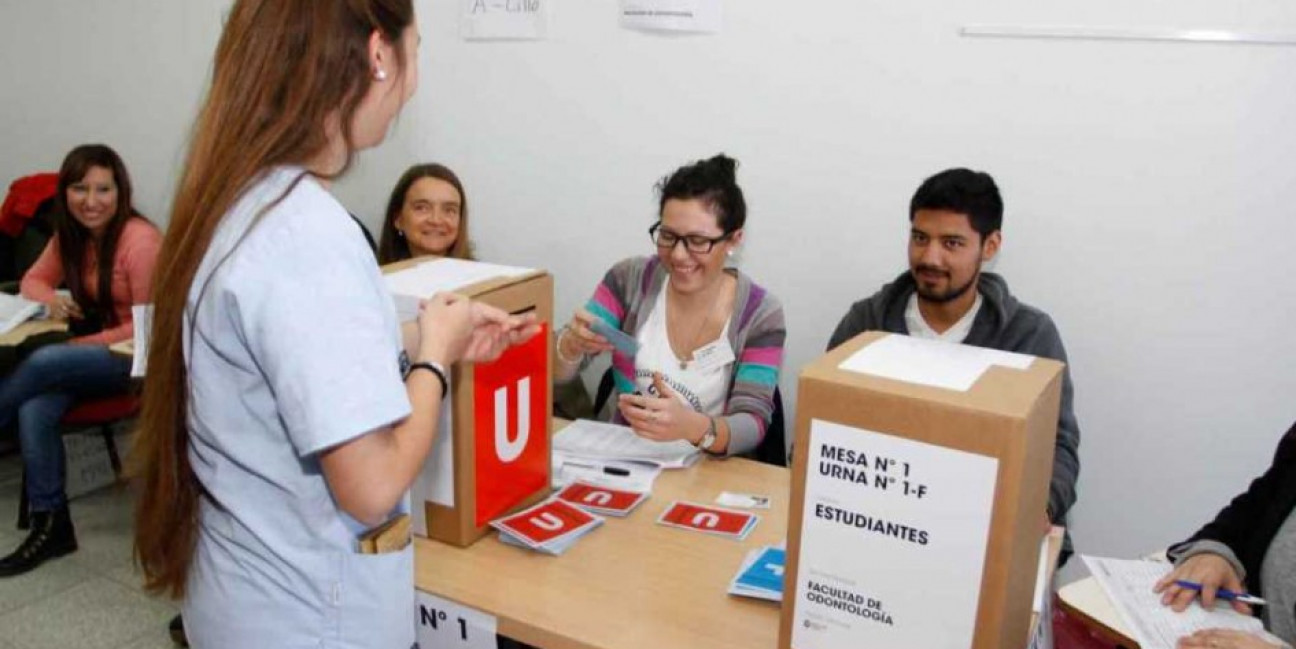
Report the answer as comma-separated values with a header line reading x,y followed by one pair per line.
x,y
610,470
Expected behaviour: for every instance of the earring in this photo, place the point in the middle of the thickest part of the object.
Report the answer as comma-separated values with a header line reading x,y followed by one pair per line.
x,y
400,233
729,253
380,75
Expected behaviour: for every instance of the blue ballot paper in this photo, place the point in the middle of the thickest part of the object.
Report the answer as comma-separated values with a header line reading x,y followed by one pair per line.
x,y
624,342
762,576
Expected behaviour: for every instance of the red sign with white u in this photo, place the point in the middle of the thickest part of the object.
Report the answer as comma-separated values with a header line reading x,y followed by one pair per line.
x,y
510,405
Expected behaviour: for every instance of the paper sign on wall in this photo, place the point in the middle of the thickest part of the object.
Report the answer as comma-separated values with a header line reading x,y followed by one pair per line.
x,y
893,536
504,20
671,15
443,624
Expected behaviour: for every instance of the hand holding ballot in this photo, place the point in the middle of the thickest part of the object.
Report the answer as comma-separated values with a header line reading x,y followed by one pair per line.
x,y
579,340
1210,570
452,327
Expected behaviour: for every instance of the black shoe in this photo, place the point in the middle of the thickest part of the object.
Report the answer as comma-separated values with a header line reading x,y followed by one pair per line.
x,y
177,631
51,536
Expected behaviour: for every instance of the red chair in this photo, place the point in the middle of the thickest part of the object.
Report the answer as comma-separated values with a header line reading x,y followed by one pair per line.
x,y
95,413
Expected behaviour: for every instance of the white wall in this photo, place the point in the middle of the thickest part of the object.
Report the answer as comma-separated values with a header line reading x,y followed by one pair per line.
x,y
127,73
1149,186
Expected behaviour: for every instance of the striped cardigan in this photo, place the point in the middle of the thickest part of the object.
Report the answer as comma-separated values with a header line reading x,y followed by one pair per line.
x,y
756,333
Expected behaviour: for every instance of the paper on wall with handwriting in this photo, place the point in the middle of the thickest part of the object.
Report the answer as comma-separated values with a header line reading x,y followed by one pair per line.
x,y
504,19
703,16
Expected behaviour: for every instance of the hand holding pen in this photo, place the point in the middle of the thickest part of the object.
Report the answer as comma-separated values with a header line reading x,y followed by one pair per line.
x,y
1210,576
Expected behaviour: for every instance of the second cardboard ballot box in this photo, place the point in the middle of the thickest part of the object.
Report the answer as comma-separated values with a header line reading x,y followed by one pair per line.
x,y
492,453
919,491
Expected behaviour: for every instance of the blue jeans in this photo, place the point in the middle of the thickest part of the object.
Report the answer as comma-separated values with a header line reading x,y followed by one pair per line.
x,y
38,392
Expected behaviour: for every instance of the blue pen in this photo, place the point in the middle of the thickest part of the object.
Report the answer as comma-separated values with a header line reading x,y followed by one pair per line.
x,y
1223,593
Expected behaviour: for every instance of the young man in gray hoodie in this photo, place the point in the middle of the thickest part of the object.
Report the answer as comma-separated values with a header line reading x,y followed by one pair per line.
x,y
955,218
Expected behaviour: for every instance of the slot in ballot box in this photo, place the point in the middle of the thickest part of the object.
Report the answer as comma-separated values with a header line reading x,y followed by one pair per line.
x,y
492,453
919,491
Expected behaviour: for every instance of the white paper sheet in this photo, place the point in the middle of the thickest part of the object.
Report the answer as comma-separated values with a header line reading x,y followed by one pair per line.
x,y
15,310
142,317
594,439
893,538
568,469
504,19
431,277
939,364
436,481
1128,583
672,15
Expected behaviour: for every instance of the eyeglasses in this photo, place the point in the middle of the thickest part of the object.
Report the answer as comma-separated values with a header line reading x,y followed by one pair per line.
x,y
694,243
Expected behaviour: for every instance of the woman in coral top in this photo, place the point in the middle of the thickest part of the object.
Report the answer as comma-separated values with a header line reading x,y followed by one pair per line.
x,y
103,251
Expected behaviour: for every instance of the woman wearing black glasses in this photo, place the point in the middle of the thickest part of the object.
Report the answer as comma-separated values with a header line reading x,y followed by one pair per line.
x,y
709,340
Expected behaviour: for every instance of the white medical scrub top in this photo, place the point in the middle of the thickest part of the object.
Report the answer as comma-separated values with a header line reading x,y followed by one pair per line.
x,y
295,350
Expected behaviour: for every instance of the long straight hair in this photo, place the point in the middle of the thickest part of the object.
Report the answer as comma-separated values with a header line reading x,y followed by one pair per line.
x,y
393,247
283,69
75,241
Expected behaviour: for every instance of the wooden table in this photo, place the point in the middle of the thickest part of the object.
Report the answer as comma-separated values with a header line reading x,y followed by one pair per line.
x,y
629,584
1088,602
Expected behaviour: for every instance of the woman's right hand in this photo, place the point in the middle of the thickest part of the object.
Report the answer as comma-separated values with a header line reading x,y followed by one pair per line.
x,y
445,325
1210,570
579,339
63,307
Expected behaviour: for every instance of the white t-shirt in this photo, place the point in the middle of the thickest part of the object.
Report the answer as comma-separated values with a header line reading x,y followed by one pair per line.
x,y
703,386
918,327
295,350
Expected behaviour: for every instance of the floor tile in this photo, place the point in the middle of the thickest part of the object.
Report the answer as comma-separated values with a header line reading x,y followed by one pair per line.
x,y
98,614
50,578
155,639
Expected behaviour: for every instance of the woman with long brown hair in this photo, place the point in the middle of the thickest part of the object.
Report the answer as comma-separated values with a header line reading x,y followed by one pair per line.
x,y
427,214
277,429
104,251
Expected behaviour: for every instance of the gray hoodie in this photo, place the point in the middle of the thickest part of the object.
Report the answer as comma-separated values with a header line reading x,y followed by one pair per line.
x,y
1005,324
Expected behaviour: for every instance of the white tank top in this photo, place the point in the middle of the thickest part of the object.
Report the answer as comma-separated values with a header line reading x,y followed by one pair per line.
x,y
703,386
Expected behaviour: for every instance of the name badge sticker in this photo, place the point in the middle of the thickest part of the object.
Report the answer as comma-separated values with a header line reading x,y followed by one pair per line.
x,y
713,355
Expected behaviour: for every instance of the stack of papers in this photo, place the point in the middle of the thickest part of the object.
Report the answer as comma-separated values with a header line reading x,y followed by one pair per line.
x,y
551,527
1128,583
761,574
601,499
634,476
411,285
585,438
15,310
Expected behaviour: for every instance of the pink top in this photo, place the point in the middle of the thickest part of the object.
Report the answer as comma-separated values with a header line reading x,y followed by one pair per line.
x,y
132,281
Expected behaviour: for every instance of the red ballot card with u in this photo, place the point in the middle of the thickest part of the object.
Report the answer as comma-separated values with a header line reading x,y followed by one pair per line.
x,y
713,520
583,494
545,522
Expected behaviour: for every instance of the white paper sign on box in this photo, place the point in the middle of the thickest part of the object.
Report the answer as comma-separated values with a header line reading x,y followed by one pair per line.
x,y
893,538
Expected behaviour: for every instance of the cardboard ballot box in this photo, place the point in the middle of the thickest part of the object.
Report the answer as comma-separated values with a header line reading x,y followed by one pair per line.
x,y
919,491
492,451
